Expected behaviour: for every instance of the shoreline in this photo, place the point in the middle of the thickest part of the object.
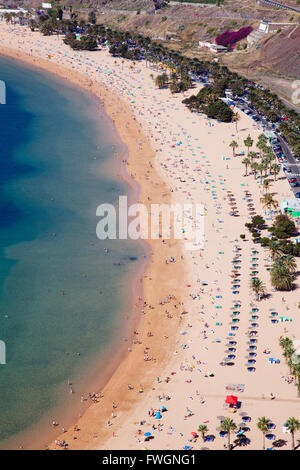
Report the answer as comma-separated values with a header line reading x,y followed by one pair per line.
x,y
128,137
194,159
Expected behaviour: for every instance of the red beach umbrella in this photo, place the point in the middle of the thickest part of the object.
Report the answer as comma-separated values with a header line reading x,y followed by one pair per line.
x,y
231,400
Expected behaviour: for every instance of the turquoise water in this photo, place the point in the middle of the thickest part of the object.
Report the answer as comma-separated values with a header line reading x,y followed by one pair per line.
x,y
60,293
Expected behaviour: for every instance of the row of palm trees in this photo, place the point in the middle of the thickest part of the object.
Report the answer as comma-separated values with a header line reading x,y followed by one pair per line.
x,y
267,163
283,269
292,361
282,272
177,82
264,424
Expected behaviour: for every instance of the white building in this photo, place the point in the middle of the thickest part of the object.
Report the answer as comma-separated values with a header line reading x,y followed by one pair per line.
x,y
290,206
212,47
264,27
12,10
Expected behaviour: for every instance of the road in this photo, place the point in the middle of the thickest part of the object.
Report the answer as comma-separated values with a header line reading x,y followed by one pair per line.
x,y
280,5
291,161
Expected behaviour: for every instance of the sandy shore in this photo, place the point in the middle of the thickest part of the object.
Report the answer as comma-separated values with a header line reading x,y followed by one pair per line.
x,y
180,157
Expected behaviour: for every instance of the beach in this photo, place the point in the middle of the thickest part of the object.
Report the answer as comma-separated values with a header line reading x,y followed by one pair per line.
x,y
181,339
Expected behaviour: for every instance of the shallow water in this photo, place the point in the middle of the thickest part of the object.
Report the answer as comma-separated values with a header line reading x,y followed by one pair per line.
x,y
60,293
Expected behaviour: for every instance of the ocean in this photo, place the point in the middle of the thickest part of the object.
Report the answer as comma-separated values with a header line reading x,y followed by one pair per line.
x,y
64,299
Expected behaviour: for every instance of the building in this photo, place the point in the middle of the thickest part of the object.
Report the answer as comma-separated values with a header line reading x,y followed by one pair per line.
x,y
228,101
212,47
12,10
264,27
291,207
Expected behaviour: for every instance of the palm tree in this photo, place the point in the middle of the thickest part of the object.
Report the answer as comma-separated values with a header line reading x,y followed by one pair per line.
x,y
266,185
271,158
20,15
268,202
161,80
255,168
258,287
262,138
233,145
203,429
286,343
252,155
281,277
248,142
246,162
289,262
228,425
235,118
265,164
261,146
275,250
275,168
293,425
263,425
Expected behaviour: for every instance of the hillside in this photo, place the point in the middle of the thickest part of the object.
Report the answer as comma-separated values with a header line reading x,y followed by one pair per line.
x,y
273,58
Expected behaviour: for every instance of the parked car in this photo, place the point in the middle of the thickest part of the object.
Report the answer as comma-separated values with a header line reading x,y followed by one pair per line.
x,y
297,195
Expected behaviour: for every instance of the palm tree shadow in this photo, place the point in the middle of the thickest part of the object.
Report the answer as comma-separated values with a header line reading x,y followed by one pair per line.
x,y
298,445
209,438
241,441
280,443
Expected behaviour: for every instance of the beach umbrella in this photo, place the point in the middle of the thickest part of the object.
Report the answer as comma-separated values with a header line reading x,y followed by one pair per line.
x,y
231,400
147,434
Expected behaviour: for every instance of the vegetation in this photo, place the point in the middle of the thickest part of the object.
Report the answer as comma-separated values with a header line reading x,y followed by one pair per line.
x,y
293,425
288,352
248,142
202,428
258,287
84,43
263,425
282,273
228,426
230,38
208,101
283,226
